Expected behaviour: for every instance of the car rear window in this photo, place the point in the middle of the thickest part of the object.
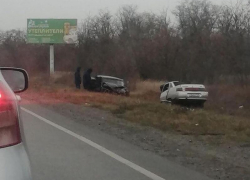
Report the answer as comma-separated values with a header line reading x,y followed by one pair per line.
x,y
177,83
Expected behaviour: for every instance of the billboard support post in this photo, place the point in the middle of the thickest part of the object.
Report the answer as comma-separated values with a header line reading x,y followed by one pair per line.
x,y
52,59
52,31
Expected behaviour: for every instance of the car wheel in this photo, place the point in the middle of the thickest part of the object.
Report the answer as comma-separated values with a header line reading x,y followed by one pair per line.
x,y
169,100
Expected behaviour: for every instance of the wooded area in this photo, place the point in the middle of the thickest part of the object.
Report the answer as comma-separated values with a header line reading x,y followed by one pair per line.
x,y
205,43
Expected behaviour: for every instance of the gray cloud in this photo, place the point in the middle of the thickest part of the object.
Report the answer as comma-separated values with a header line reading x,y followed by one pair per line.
x,y
14,13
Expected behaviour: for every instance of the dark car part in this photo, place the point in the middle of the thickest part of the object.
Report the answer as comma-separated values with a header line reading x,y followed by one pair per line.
x,y
99,85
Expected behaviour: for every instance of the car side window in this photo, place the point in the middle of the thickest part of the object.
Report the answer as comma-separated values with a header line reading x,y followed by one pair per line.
x,y
166,87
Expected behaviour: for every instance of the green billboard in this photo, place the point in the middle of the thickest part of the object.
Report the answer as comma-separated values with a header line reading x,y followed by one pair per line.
x,y
52,31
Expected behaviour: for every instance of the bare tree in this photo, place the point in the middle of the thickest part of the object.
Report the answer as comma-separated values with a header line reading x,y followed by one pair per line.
x,y
206,42
196,17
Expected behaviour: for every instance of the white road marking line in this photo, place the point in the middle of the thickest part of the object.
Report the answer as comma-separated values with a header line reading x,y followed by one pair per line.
x,y
97,146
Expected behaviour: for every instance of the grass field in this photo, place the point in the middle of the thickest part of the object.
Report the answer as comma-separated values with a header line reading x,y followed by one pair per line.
x,y
221,118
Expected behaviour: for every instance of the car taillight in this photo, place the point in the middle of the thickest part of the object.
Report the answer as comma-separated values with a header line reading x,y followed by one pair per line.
x,y
9,125
179,89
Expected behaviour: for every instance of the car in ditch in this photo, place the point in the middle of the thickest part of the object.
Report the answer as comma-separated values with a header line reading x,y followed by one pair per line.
x,y
14,161
109,84
190,94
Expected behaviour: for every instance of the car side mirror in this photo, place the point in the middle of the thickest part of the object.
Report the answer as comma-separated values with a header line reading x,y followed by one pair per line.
x,y
16,78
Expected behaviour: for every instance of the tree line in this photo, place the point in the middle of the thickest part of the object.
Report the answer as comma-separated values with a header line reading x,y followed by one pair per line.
x,y
205,42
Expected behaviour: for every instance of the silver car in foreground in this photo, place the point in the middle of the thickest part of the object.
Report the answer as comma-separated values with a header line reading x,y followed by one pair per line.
x,y
176,92
14,161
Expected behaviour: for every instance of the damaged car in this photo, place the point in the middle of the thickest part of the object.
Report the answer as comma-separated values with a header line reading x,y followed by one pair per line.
x,y
188,94
109,84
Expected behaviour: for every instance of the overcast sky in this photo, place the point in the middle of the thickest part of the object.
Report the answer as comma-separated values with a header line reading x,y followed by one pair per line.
x,y
14,13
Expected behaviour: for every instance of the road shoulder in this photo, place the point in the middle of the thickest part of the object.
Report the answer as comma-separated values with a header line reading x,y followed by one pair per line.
x,y
216,162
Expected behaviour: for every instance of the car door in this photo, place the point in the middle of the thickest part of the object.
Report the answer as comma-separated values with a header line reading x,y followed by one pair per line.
x,y
171,92
164,92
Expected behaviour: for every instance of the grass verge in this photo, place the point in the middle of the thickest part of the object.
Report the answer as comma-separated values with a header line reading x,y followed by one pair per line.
x,y
143,108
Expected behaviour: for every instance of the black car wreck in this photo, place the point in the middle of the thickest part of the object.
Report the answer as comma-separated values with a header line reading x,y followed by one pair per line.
x,y
109,84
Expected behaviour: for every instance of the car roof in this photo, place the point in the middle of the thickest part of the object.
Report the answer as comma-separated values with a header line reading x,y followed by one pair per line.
x,y
170,82
109,77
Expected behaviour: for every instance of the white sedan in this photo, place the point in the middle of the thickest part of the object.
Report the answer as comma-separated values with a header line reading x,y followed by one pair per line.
x,y
187,93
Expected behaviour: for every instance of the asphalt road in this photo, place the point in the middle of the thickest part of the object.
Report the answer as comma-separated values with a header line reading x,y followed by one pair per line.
x,y
63,149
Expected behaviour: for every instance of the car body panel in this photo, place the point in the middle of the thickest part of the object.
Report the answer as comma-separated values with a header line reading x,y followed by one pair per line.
x,y
191,95
109,77
171,92
164,93
14,161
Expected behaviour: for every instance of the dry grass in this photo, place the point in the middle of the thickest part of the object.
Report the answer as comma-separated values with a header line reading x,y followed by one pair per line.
x,y
147,90
145,86
229,99
186,121
143,107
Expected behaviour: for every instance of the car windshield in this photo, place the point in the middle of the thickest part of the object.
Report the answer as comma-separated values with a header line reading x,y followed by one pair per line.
x,y
114,81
